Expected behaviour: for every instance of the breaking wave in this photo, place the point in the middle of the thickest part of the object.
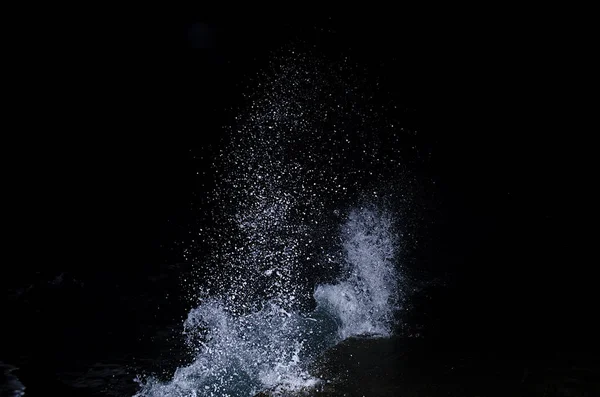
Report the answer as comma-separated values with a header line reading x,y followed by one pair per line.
x,y
271,348
297,266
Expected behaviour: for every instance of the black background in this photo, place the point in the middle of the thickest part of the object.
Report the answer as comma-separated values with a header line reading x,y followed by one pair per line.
x,y
105,168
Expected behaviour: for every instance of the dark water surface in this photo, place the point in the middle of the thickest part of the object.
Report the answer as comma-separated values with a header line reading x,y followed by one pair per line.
x,y
424,359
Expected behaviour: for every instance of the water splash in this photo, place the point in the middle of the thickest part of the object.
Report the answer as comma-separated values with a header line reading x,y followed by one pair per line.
x,y
364,302
271,298
240,354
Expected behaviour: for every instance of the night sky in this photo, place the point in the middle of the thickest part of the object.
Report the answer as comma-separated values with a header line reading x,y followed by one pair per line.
x,y
109,181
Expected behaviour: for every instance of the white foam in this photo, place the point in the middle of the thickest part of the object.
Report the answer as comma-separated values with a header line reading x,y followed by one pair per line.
x,y
241,354
364,302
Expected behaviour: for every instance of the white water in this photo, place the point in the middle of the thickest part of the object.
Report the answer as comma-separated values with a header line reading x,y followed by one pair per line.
x,y
363,302
306,146
270,348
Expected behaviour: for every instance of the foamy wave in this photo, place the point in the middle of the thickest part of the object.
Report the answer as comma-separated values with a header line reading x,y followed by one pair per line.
x,y
241,354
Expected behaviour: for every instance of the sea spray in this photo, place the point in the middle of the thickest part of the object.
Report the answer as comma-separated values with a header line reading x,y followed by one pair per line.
x,y
240,354
298,266
364,301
